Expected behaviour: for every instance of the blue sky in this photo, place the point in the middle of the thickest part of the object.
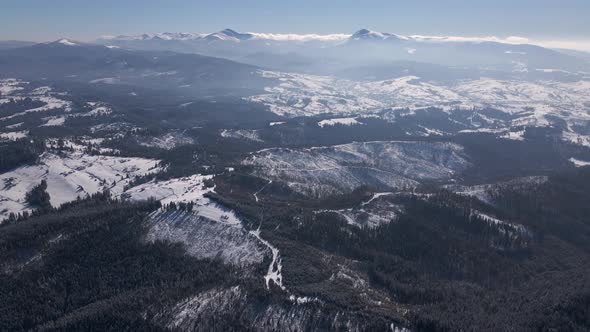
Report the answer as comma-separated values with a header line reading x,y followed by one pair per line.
x,y
551,20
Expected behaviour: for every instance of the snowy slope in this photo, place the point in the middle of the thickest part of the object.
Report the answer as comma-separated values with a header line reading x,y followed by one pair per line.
x,y
339,121
300,94
188,189
376,211
69,176
206,238
342,168
526,103
209,230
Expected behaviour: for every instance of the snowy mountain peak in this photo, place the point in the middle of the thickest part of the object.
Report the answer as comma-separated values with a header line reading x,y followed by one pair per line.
x,y
362,33
228,35
366,34
66,42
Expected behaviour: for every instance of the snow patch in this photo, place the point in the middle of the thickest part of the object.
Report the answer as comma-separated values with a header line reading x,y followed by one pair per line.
x,y
339,121
14,135
579,163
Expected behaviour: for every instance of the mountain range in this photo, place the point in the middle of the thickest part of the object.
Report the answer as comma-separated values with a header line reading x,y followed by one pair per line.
x,y
331,53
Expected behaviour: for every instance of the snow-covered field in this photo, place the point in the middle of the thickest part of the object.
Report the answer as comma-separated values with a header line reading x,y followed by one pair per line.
x,y
10,85
342,168
51,103
20,91
69,176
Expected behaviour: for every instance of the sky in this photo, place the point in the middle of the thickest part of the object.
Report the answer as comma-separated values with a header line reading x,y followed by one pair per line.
x,y
549,22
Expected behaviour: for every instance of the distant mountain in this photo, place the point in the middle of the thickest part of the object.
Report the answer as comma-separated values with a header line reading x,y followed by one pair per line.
x,y
365,34
333,54
8,44
68,60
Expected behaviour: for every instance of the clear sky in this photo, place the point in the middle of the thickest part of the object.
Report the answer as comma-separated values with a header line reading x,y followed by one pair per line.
x,y
547,20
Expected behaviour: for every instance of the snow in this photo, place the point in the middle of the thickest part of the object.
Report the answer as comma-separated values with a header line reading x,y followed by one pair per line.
x,y
339,121
260,190
167,141
14,126
302,300
188,189
275,268
372,213
376,196
245,134
342,168
519,229
106,80
326,38
482,191
579,163
10,85
68,177
307,95
100,110
186,227
54,121
51,103
14,135
272,124
205,238
527,103
300,37
66,42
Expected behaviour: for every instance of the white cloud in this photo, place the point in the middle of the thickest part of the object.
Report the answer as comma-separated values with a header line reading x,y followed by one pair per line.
x,y
298,37
507,40
580,45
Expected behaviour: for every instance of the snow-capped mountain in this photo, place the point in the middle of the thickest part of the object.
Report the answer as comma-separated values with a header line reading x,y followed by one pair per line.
x,y
330,54
365,34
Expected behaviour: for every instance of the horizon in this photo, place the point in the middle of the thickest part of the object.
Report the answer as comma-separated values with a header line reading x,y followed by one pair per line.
x,y
583,46
545,23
